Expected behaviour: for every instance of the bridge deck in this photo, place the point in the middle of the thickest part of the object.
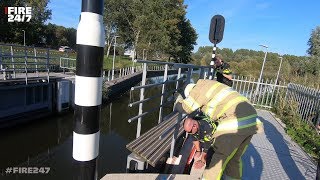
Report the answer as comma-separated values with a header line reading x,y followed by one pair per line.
x,y
271,155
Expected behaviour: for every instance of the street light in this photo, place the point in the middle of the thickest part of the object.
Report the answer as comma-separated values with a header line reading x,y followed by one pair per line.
x,y
24,37
264,60
114,55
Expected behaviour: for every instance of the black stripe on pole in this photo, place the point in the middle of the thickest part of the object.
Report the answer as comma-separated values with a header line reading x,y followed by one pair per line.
x,y
87,119
95,6
89,61
87,169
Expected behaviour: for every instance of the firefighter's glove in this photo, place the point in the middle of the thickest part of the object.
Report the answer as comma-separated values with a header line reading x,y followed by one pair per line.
x,y
178,97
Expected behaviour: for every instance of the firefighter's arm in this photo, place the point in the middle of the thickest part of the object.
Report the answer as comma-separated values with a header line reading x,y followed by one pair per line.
x,y
187,105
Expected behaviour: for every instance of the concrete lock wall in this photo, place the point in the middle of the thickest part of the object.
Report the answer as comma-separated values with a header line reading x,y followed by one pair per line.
x,y
18,99
23,102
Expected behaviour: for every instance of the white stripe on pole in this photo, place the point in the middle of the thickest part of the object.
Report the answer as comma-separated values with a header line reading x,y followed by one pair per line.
x,y
88,91
85,146
91,24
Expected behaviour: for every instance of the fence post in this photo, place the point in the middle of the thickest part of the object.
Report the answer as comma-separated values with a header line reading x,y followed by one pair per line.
x,y
25,64
165,77
12,60
48,64
36,60
143,82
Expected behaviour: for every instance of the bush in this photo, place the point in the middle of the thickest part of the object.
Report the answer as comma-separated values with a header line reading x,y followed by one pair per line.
x,y
300,131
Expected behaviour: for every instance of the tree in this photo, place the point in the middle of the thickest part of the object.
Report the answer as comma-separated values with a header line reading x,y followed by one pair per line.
x,y
314,42
157,26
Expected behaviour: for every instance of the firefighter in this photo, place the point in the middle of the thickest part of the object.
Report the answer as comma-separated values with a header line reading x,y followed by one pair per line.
x,y
230,122
222,70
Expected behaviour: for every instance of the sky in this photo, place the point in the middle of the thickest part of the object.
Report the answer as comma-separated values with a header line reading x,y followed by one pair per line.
x,y
282,25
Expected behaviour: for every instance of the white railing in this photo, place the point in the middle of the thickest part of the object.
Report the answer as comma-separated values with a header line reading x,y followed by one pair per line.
x,y
267,94
23,62
166,93
308,101
264,94
68,63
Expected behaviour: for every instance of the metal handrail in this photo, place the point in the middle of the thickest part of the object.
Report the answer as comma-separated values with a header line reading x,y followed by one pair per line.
x,y
153,97
149,111
153,85
176,65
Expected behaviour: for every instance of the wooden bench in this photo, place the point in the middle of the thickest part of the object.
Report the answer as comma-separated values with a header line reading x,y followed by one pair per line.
x,y
150,146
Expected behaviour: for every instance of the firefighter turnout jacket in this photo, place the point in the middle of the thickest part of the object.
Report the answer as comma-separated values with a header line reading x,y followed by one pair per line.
x,y
231,112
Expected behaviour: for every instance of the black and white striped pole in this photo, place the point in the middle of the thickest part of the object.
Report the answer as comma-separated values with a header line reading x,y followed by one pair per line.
x,y
215,36
88,89
211,76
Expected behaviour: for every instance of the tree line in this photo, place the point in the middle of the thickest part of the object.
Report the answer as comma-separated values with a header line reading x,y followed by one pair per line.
x,y
155,29
158,28
248,63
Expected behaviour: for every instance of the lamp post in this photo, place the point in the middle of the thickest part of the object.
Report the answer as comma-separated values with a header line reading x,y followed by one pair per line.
x,y
264,60
114,55
24,37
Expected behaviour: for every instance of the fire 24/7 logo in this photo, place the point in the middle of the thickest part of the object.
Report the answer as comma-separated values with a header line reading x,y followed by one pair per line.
x,y
18,14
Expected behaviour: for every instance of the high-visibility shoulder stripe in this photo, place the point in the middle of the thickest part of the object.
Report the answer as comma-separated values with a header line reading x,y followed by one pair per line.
x,y
191,103
231,103
213,87
212,105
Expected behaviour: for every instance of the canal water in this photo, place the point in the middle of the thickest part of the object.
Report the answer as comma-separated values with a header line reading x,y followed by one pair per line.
x,y
47,142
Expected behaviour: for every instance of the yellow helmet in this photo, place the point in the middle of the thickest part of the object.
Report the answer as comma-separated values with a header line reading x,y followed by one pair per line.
x,y
188,88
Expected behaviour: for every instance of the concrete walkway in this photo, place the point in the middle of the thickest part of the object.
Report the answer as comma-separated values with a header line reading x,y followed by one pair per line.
x,y
272,155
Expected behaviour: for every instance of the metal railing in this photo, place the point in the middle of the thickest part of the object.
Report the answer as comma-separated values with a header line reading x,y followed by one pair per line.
x,y
68,63
264,94
123,72
268,93
308,101
184,75
18,61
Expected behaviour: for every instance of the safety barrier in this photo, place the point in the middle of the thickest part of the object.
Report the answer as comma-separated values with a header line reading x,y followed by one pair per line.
x,y
172,131
266,94
261,94
308,101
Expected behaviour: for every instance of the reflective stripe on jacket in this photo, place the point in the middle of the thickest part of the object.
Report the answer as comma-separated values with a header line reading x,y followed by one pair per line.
x,y
220,102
